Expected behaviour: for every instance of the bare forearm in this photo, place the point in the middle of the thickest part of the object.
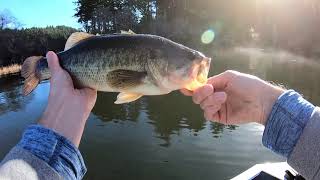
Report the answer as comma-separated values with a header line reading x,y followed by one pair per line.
x,y
66,120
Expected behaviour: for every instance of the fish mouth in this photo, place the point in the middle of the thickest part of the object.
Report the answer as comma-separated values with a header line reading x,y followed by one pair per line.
x,y
203,70
198,73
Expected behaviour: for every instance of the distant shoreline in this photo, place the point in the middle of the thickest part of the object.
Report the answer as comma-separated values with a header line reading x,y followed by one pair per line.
x,y
11,69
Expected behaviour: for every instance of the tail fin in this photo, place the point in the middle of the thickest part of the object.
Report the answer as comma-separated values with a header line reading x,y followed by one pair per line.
x,y
28,71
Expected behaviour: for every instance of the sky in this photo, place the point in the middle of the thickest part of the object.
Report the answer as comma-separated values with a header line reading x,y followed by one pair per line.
x,y
42,13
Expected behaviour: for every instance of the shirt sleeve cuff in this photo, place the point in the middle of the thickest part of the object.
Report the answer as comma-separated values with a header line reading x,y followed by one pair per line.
x,y
288,117
55,150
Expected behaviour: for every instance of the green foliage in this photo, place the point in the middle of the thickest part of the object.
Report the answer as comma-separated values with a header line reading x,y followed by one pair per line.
x,y
108,15
16,45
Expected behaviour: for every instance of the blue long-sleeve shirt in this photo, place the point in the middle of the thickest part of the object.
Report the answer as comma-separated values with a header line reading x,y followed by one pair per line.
x,y
54,149
285,124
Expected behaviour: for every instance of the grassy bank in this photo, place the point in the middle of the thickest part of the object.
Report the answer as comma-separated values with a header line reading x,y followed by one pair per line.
x,y
11,69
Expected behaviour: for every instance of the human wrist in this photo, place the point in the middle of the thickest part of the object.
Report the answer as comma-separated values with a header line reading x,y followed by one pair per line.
x,y
270,95
67,123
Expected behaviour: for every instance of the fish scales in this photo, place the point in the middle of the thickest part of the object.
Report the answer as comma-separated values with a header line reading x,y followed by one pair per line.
x,y
92,72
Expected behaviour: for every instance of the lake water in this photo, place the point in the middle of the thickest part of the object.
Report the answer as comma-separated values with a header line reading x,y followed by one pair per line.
x,y
165,137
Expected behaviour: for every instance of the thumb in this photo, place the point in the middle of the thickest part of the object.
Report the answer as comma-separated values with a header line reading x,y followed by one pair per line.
x,y
221,81
53,62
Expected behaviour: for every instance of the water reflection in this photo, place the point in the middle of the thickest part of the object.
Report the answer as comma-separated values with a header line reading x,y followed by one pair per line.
x,y
171,113
217,129
11,96
107,111
168,114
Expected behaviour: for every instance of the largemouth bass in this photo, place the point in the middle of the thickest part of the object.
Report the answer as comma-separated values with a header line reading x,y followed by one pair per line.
x,y
132,64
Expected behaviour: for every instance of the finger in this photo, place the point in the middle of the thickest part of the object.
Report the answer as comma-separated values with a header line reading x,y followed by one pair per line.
x,y
201,93
186,92
220,81
210,111
216,117
53,62
214,99
223,114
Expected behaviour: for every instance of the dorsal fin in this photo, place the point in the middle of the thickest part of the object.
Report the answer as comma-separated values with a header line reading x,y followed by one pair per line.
x,y
76,37
127,32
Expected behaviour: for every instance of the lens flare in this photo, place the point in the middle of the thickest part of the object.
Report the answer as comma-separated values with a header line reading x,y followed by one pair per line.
x,y
207,37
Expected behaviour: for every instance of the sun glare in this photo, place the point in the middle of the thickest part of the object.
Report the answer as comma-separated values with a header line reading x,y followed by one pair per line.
x,y
207,37
267,1
274,2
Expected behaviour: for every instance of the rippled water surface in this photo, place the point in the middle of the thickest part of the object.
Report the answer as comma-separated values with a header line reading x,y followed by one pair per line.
x,y
165,137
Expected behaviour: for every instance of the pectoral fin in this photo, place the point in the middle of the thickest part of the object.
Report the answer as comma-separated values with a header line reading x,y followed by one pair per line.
x,y
127,97
124,79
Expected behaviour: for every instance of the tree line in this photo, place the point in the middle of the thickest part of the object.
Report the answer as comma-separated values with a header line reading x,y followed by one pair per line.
x,y
18,44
